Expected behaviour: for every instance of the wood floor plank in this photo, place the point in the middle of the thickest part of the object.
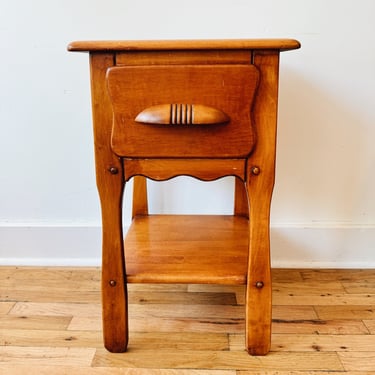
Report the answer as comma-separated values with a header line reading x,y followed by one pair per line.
x,y
312,343
34,322
192,318
160,324
370,324
177,341
50,323
287,312
320,327
348,275
56,309
358,361
16,369
50,284
277,372
312,288
86,323
163,318
93,339
188,311
237,290
286,275
325,299
5,307
36,294
219,360
50,338
46,355
361,287
56,277
346,312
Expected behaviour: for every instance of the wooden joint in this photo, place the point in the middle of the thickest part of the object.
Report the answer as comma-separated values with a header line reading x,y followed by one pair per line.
x,y
259,284
255,170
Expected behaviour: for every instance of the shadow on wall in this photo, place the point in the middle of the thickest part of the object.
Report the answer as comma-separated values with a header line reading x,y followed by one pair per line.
x,y
322,247
323,172
323,206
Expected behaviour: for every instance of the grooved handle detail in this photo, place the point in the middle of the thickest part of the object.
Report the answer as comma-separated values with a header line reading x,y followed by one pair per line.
x,y
182,114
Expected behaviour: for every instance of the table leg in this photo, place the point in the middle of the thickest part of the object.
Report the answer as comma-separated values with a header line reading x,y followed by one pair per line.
x,y
140,202
259,288
114,287
110,183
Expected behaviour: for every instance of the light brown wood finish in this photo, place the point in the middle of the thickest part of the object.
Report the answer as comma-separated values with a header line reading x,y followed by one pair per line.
x,y
167,45
229,88
50,323
158,249
259,184
110,183
203,169
206,109
140,201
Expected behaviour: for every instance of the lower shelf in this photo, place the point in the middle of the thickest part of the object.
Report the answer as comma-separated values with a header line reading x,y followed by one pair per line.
x,y
202,249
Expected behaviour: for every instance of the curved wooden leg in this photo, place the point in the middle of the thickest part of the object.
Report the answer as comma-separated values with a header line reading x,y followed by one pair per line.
x,y
259,288
114,287
259,184
110,183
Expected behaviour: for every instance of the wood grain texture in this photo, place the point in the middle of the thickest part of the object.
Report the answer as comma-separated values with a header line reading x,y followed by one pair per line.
x,y
201,57
259,185
182,114
110,183
140,199
202,169
227,88
158,249
132,100
166,45
184,329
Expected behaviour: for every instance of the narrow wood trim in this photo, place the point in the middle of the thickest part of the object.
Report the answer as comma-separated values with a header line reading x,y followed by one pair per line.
x,y
202,169
184,57
160,45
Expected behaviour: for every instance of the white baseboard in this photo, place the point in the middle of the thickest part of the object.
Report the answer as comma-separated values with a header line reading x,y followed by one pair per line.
x,y
323,246
50,245
292,246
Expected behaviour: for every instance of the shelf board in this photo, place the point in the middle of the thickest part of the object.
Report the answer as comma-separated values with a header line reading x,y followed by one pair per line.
x,y
200,249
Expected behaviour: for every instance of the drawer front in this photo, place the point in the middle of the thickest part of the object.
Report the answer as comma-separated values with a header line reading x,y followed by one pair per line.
x,y
183,110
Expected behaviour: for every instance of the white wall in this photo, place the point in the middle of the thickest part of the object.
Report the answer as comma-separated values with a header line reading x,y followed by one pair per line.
x,y
323,211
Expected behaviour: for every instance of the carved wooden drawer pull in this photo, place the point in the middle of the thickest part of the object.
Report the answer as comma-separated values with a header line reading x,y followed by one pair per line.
x,y
182,114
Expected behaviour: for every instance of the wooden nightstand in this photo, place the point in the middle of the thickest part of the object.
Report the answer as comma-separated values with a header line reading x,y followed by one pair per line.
x,y
204,108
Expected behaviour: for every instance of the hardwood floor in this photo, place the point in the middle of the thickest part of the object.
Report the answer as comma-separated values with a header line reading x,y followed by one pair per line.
x,y
50,323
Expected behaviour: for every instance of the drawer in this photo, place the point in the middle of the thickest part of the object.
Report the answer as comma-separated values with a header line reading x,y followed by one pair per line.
x,y
182,110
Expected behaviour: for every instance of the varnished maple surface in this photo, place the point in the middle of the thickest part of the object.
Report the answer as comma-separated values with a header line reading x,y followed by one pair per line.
x,y
239,78
228,88
187,248
209,44
50,323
